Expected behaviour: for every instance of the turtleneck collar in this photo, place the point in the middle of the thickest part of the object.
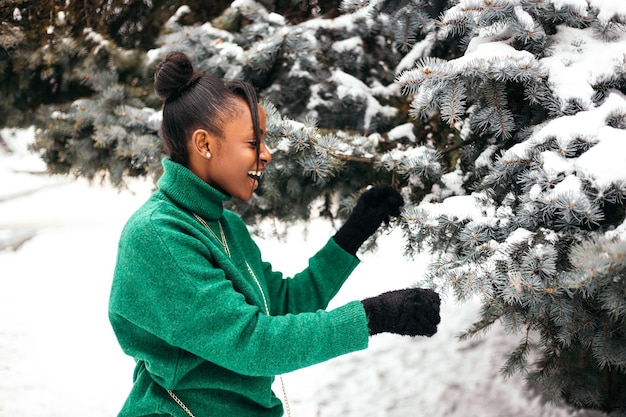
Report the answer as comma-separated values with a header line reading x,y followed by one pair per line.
x,y
187,190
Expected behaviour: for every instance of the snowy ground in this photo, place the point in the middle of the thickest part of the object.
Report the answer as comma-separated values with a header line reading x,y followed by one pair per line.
x,y
59,357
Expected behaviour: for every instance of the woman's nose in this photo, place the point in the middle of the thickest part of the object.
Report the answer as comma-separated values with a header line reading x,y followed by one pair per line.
x,y
265,155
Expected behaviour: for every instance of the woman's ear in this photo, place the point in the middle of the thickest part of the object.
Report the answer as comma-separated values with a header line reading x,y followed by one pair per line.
x,y
201,143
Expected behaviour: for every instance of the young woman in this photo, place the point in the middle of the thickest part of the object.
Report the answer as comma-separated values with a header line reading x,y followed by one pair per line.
x,y
208,322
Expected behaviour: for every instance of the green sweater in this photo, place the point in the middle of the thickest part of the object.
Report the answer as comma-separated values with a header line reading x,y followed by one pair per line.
x,y
194,320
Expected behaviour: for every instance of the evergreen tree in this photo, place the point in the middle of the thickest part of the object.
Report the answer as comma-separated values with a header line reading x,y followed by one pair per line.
x,y
545,248
316,82
448,100
46,47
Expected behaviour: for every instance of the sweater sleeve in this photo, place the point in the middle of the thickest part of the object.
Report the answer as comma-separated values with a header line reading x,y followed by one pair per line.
x,y
315,286
307,291
167,290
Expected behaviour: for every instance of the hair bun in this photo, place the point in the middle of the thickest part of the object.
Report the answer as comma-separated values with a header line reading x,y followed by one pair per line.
x,y
174,75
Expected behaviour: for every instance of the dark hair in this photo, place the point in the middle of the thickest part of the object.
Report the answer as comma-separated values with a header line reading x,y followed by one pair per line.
x,y
195,100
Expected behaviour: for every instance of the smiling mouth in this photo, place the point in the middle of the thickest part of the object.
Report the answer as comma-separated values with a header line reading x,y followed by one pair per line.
x,y
255,175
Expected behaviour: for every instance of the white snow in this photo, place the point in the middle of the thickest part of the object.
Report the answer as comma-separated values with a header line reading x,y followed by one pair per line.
x,y
59,357
605,161
352,45
17,15
570,184
579,6
348,85
519,235
554,162
404,130
454,181
578,60
418,51
484,49
608,8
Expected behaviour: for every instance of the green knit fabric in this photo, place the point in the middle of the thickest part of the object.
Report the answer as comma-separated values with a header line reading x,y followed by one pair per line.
x,y
193,318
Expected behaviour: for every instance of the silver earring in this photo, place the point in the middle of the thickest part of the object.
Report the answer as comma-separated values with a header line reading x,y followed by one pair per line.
x,y
208,155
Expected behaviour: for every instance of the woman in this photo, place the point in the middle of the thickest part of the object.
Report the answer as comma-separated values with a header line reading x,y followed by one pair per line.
x,y
208,322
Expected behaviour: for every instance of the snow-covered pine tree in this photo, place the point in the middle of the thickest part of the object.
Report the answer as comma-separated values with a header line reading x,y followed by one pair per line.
x,y
45,47
538,100
333,81
36,59
85,85
122,141
112,131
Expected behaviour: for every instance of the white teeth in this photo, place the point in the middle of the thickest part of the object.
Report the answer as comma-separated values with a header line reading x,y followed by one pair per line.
x,y
255,173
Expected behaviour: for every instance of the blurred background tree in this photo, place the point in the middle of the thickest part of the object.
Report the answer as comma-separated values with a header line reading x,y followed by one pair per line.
x,y
46,47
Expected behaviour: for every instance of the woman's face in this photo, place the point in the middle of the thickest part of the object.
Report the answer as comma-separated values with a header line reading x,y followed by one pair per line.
x,y
233,163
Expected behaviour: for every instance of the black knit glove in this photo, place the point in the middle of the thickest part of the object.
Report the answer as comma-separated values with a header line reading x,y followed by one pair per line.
x,y
372,208
408,312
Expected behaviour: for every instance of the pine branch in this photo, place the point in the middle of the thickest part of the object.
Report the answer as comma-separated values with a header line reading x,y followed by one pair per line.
x,y
517,361
353,158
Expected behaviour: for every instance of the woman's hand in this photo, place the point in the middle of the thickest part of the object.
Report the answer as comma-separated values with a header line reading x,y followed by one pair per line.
x,y
408,312
373,207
